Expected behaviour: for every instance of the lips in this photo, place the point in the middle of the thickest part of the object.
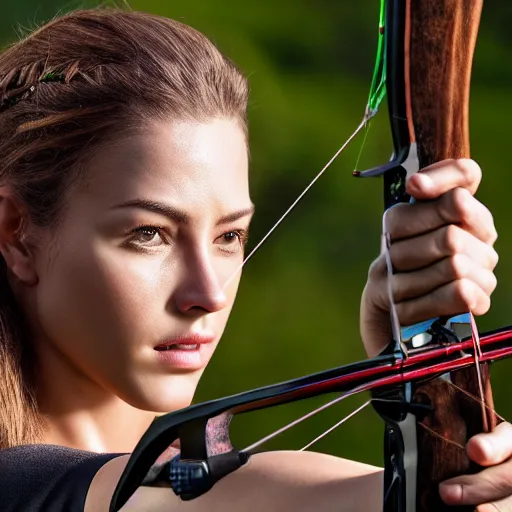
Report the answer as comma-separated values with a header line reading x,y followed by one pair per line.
x,y
188,342
185,353
179,346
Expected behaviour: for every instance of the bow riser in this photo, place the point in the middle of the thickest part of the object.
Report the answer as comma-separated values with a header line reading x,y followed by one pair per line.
x,y
443,35
430,50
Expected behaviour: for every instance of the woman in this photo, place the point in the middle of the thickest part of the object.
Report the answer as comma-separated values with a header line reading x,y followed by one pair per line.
x,y
124,209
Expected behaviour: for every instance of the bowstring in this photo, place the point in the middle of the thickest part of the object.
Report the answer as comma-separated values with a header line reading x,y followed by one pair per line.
x,y
478,354
272,435
393,312
368,115
336,425
375,97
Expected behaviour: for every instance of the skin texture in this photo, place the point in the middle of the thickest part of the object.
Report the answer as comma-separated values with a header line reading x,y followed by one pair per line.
x,y
493,486
444,260
272,481
443,255
101,296
101,293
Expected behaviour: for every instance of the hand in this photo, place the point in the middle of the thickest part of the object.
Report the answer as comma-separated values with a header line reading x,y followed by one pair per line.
x,y
491,489
441,250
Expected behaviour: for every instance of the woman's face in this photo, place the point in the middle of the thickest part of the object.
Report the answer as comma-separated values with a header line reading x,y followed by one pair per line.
x,y
141,259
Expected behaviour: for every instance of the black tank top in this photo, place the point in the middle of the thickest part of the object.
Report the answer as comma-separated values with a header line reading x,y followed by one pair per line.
x,y
47,478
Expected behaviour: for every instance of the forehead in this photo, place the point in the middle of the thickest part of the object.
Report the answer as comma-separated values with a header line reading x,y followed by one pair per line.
x,y
186,162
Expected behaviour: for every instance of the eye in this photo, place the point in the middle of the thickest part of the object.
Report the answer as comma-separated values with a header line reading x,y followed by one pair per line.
x,y
233,241
231,236
144,235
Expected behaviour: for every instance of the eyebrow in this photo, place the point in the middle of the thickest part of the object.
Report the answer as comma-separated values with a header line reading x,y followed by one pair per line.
x,y
177,215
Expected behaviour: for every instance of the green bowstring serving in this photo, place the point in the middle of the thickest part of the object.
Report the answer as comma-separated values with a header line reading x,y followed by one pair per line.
x,y
378,86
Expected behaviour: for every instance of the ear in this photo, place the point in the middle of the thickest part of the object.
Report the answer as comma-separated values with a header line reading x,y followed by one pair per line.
x,y
13,248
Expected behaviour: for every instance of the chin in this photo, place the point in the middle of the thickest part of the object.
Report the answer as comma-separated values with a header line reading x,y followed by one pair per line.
x,y
163,395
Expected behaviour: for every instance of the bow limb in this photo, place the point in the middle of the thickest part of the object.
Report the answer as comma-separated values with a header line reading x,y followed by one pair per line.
x,y
430,45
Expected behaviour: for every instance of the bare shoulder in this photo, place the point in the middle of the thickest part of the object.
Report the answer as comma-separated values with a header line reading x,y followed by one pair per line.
x,y
272,481
103,485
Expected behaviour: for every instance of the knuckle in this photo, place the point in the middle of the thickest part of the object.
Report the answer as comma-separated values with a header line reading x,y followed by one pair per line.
x,y
493,234
388,216
470,171
463,205
453,239
493,282
467,488
459,265
493,259
465,293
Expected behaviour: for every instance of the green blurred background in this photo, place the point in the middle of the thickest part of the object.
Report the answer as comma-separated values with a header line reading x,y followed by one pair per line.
x,y
310,66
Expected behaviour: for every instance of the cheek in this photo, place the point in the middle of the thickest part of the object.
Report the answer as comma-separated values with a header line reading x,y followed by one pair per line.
x,y
231,275
94,299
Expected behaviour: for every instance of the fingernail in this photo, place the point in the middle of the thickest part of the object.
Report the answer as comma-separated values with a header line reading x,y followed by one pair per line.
x,y
451,494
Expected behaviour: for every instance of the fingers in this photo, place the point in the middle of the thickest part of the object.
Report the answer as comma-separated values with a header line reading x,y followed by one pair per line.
x,y
456,207
455,268
452,299
491,488
491,447
454,284
439,178
448,241
441,252
450,287
491,484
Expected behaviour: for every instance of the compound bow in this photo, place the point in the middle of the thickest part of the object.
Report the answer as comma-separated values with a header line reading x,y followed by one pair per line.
x,y
424,63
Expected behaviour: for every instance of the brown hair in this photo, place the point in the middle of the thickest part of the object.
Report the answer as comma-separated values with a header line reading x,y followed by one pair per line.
x,y
71,85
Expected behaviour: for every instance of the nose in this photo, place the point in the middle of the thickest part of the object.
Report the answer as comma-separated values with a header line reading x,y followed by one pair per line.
x,y
201,289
